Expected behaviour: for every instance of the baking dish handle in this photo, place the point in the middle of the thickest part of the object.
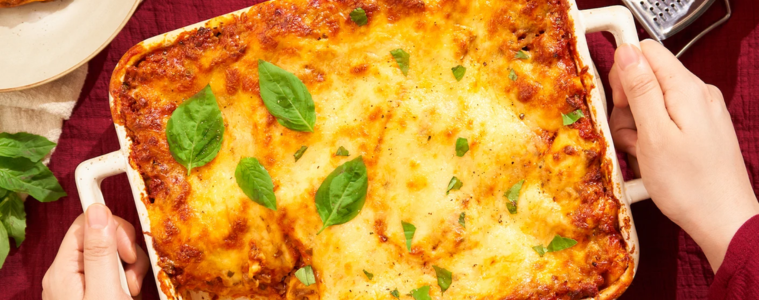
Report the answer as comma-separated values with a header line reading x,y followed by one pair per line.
x,y
89,175
619,22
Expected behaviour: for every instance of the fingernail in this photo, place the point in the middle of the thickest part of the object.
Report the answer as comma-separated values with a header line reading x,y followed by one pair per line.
x,y
97,216
626,56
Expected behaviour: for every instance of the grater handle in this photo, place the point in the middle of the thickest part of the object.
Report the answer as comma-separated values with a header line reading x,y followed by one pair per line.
x,y
619,21
615,19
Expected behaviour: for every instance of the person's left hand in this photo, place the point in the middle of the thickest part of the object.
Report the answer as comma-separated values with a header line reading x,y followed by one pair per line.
x,y
86,267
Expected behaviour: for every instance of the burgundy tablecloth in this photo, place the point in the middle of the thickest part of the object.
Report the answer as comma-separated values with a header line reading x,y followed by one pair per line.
x,y
671,264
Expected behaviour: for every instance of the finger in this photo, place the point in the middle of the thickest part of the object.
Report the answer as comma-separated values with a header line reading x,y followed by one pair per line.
x,y
126,241
623,131
618,92
716,97
680,87
69,256
135,273
101,264
641,89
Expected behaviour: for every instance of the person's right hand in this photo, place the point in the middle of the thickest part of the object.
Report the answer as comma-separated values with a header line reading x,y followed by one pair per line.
x,y
86,267
679,129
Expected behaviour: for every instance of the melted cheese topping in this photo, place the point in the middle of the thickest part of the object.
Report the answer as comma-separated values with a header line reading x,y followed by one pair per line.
x,y
211,237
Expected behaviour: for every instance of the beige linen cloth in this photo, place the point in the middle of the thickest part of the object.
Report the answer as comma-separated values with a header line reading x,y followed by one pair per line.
x,y
41,110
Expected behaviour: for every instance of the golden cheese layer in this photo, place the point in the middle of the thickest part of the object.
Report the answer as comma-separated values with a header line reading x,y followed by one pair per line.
x,y
14,3
210,237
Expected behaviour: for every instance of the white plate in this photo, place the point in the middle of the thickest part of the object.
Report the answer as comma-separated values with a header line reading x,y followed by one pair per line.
x,y
42,41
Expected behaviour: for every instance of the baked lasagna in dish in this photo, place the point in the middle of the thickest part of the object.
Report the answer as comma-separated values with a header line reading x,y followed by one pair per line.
x,y
374,149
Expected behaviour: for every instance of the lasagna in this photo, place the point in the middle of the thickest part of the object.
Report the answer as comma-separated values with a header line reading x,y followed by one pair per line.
x,y
525,212
13,3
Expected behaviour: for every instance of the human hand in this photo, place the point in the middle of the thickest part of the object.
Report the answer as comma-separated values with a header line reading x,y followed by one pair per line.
x,y
680,131
86,265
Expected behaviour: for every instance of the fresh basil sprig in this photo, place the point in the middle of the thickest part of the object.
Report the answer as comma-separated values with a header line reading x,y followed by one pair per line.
x,y
342,194
572,117
422,293
358,16
402,58
13,217
408,232
195,130
513,196
462,146
286,97
459,72
444,278
369,275
306,275
255,182
557,244
22,175
454,184
22,144
5,245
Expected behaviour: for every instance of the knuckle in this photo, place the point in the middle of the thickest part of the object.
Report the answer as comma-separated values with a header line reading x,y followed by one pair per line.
x,y
97,248
642,84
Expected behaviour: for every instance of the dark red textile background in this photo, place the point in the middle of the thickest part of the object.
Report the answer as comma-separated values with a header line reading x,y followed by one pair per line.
x,y
671,264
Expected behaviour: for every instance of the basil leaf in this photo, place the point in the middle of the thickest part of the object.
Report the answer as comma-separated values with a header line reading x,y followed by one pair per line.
x,y
458,72
343,193
368,275
3,192
195,130
255,182
396,294
513,195
358,16
513,75
22,144
286,97
13,217
402,58
422,293
22,175
444,278
572,117
5,245
462,146
560,243
342,152
540,250
522,55
298,154
408,231
462,219
454,184
306,275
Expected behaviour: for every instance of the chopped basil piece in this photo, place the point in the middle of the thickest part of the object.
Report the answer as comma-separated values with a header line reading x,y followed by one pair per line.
x,y
342,152
306,275
368,275
408,231
513,196
402,58
458,72
462,146
358,16
255,182
572,117
454,184
522,55
557,244
396,294
462,219
342,194
22,144
444,278
286,97
422,293
298,154
195,130
513,75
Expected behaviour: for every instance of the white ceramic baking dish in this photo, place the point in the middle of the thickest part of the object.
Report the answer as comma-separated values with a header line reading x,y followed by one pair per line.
x,y
614,19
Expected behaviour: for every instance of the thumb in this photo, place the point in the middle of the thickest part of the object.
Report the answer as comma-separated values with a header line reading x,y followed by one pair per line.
x,y
641,88
101,269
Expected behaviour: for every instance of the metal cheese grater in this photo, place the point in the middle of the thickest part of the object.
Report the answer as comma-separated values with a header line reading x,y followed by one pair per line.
x,y
664,18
